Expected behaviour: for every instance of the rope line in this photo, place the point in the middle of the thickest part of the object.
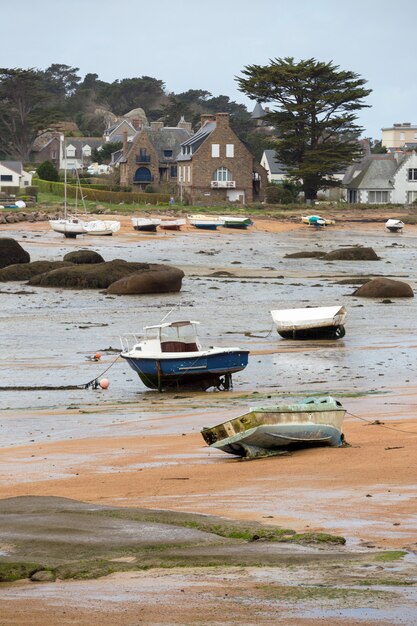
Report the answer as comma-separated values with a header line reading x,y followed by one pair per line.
x,y
94,384
397,430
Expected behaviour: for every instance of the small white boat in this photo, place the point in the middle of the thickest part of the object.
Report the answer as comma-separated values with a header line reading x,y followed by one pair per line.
x,y
170,357
144,224
172,224
101,227
266,431
205,222
394,226
70,227
323,322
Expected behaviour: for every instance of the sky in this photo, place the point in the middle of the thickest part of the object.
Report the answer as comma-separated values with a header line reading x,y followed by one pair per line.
x,y
190,44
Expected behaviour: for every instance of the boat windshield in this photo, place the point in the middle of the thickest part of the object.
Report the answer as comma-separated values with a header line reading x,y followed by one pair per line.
x,y
185,332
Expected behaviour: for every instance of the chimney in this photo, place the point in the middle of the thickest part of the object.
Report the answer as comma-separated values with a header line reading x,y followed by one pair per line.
x,y
185,125
222,120
125,143
207,117
136,123
157,125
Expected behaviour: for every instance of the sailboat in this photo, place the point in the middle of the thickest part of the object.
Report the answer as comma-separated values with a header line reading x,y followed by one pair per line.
x,y
72,225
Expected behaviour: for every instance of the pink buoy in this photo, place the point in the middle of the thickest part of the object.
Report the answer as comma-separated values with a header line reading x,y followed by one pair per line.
x,y
97,356
104,383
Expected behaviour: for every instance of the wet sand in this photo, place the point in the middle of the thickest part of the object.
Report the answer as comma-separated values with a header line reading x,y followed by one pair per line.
x,y
129,446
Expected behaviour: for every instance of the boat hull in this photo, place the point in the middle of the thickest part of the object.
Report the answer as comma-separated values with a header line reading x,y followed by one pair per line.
x,y
320,332
199,371
148,228
268,431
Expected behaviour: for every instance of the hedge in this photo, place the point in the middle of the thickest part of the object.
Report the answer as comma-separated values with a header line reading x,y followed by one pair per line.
x,y
99,195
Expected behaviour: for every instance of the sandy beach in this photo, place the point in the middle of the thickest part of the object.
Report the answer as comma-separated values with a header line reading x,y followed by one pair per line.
x,y
131,447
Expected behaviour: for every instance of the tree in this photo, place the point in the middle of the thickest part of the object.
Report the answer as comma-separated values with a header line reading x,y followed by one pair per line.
x,y
25,108
103,154
377,147
315,116
47,171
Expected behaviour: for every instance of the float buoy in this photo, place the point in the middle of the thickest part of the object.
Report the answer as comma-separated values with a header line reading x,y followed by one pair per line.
x,y
104,383
97,356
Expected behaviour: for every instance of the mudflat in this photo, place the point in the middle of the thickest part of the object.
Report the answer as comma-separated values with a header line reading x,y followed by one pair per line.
x,y
129,448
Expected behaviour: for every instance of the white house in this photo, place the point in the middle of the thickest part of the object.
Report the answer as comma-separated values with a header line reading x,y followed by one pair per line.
x,y
275,170
12,174
383,178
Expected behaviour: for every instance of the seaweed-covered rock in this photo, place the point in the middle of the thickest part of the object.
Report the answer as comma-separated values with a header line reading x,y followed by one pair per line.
x,y
155,279
356,253
83,257
90,276
384,288
25,271
11,252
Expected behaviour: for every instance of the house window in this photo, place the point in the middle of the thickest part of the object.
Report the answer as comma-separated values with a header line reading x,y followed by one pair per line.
x,y
402,136
189,173
26,183
222,174
411,197
412,173
215,150
6,178
86,151
377,197
174,171
167,153
230,150
53,154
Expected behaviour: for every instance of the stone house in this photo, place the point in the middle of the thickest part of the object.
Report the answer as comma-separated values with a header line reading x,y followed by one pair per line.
x,y
151,155
383,178
64,152
215,166
114,133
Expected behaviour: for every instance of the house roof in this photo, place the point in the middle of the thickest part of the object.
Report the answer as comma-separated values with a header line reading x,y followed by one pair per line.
x,y
373,172
80,142
166,138
274,166
258,111
195,141
14,166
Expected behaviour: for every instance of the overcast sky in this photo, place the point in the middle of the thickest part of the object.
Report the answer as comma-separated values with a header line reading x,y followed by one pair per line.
x,y
193,44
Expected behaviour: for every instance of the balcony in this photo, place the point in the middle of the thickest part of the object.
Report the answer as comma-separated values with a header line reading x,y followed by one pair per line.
x,y
143,158
223,184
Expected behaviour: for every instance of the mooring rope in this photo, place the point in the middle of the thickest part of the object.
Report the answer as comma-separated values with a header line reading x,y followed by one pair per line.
x,y
378,423
94,384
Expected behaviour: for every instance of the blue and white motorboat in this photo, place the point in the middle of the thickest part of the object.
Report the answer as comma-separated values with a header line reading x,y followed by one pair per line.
x,y
270,430
170,356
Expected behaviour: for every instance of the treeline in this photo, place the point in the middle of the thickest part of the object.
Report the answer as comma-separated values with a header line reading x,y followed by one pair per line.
x,y
32,99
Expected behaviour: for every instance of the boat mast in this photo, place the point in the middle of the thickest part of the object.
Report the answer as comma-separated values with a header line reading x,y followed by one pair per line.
x,y
65,180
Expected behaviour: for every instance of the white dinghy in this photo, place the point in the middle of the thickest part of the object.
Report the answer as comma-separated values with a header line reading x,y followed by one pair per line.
x,y
323,322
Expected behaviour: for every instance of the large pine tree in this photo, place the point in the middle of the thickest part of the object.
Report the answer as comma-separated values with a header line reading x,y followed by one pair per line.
x,y
314,112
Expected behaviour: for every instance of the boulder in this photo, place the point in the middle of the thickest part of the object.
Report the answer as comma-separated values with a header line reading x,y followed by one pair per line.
x,y
88,276
154,279
43,576
25,271
384,288
356,253
11,252
83,257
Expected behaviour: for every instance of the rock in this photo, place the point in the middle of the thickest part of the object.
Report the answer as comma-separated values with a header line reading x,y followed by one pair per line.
x,y
43,576
25,271
357,253
384,288
11,252
155,279
83,257
88,276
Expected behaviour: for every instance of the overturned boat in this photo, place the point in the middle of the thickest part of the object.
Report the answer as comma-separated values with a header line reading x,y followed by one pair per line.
x,y
144,224
316,220
394,226
267,431
171,357
322,322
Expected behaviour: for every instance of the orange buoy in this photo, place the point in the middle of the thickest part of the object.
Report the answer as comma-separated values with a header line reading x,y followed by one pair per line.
x,y
97,356
104,383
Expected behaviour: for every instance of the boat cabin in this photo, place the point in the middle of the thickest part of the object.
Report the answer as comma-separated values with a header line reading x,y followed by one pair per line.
x,y
172,337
